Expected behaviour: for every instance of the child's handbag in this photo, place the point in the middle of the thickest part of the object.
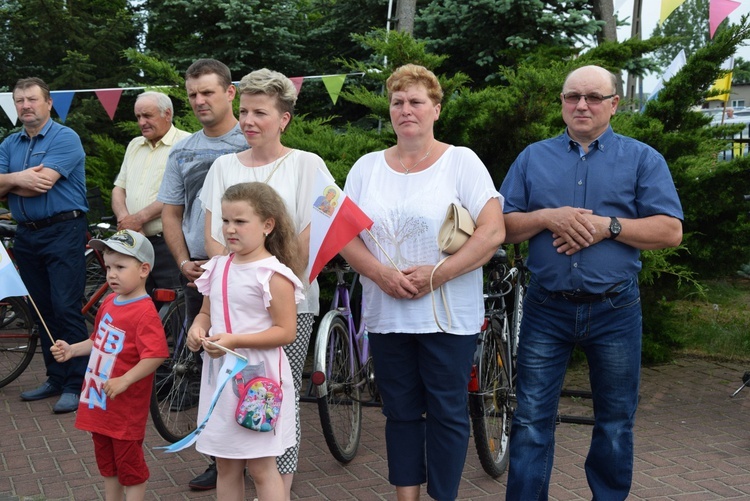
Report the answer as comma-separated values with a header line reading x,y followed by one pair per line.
x,y
260,398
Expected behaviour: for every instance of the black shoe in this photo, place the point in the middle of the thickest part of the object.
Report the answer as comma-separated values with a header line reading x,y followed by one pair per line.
x,y
206,480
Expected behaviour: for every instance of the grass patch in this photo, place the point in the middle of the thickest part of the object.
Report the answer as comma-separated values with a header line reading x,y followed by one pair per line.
x,y
718,326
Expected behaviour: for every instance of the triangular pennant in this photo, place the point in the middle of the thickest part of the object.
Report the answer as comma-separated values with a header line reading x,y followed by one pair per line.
x,y
718,10
61,100
333,85
109,99
667,7
297,81
6,103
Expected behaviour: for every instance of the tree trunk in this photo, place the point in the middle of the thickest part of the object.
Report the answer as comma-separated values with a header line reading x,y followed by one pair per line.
x,y
636,34
604,10
405,11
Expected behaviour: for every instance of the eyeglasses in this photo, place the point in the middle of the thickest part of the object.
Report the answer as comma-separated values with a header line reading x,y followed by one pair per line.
x,y
573,98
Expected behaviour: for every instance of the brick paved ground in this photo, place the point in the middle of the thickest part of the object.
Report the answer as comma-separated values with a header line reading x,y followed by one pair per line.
x,y
692,443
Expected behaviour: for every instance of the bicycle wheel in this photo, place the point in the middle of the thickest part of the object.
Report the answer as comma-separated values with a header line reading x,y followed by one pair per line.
x,y
177,382
339,391
18,338
490,406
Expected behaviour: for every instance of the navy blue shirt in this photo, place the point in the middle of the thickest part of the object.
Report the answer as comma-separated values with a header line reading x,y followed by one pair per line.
x,y
57,147
619,177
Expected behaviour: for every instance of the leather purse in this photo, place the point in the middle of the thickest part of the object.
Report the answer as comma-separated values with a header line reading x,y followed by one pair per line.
x,y
457,228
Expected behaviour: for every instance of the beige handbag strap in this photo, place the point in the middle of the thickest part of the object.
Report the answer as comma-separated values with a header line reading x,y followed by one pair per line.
x,y
445,301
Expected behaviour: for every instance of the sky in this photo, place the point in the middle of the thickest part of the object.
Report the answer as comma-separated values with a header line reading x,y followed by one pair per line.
x,y
649,19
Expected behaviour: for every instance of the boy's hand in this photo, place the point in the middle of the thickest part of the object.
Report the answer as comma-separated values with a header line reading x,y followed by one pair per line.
x,y
61,351
115,386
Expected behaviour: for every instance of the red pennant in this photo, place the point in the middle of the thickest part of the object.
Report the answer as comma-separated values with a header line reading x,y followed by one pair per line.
x,y
297,81
109,99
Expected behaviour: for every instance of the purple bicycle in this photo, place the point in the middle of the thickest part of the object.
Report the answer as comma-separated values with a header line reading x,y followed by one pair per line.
x,y
342,367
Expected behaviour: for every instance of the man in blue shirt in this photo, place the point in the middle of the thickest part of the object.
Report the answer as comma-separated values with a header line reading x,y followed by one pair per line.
x,y
588,201
42,176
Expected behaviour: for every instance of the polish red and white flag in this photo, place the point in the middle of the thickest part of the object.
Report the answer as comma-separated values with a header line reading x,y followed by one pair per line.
x,y
335,221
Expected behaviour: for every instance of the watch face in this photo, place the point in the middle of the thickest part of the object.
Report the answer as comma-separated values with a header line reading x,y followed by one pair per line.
x,y
614,227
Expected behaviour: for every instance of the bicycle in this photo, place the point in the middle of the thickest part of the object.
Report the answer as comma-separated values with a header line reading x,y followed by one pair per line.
x,y
18,336
492,386
342,368
177,382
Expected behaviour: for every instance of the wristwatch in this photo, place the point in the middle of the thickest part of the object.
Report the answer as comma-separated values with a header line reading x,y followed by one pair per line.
x,y
614,228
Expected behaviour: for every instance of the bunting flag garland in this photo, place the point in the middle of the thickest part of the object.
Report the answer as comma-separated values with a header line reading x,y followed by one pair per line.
x,y
723,83
6,103
61,100
333,84
667,7
297,81
718,10
110,98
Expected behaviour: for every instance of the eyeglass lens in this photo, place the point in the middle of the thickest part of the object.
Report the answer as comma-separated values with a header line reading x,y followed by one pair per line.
x,y
589,98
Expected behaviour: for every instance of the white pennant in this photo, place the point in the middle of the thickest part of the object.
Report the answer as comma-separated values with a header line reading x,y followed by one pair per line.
x,y
6,103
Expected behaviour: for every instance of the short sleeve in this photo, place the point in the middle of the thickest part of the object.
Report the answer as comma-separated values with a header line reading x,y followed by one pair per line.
x,y
264,278
203,283
172,189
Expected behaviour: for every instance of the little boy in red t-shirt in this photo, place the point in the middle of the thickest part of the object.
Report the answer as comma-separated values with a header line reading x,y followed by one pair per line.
x,y
125,349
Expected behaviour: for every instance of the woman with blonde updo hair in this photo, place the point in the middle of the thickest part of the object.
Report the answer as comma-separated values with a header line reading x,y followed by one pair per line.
x,y
267,100
422,370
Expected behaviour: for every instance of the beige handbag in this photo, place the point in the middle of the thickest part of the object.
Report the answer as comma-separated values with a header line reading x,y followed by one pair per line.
x,y
455,231
457,227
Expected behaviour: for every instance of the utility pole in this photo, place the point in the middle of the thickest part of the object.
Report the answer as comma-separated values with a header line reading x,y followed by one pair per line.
x,y
635,33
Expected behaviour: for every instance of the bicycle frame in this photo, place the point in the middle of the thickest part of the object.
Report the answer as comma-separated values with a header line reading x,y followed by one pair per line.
x,y
359,346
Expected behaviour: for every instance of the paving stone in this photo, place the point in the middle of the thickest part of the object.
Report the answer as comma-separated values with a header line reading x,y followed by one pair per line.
x,y
691,444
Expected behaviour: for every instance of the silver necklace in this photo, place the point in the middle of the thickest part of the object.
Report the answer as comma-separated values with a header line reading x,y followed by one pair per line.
x,y
406,171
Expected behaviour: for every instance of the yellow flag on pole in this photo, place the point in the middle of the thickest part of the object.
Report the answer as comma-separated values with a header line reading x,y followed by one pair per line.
x,y
723,83
667,7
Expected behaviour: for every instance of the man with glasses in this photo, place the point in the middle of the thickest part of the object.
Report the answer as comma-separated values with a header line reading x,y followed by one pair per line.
x,y
588,201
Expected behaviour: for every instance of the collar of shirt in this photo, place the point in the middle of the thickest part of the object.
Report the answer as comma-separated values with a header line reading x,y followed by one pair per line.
x,y
43,132
597,143
166,140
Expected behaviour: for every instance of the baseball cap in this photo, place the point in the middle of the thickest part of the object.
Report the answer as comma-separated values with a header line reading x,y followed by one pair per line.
x,y
128,242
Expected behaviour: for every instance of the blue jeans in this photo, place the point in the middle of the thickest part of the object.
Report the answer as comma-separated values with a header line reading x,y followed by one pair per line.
x,y
52,264
423,381
609,332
